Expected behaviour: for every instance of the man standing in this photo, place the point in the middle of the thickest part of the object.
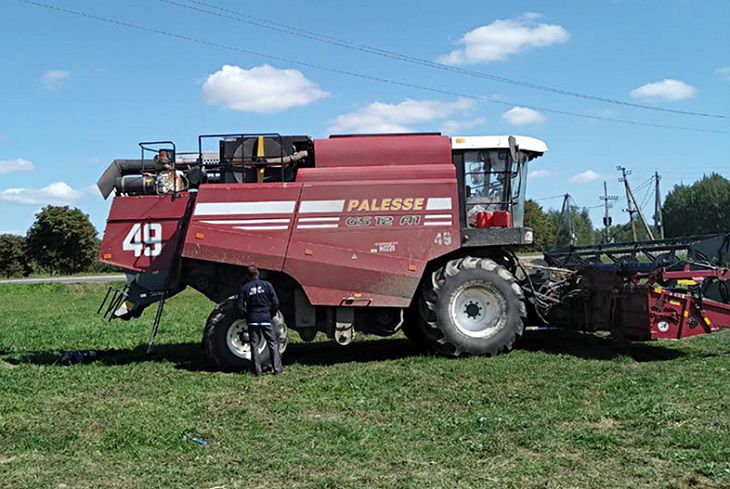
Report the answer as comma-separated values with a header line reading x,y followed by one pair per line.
x,y
258,304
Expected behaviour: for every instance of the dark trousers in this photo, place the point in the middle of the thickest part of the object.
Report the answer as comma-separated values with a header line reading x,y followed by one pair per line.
x,y
272,341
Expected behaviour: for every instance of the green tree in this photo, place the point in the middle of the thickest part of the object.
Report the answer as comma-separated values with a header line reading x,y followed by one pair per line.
x,y
99,267
13,257
621,233
62,240
585,234
700,208
544,231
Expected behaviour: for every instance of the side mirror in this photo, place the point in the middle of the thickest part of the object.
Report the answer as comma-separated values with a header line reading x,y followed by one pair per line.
x,y
513,148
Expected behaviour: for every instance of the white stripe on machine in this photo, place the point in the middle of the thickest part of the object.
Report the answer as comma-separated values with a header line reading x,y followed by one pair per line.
x,y
438,204
317,226
438,216
319,219
260,228
248,221
312,206
437,223
244,208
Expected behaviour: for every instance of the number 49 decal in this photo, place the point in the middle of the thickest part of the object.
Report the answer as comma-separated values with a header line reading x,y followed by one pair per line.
x,y
144,238
443,239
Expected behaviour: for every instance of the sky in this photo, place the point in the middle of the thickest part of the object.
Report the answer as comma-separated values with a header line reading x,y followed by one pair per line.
x,y
78,93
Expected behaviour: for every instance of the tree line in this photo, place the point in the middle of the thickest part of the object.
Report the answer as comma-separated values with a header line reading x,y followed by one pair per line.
x,y
702,207
62,240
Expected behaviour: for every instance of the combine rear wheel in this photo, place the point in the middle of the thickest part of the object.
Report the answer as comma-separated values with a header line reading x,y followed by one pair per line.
x,y
225,338
473,306
413,329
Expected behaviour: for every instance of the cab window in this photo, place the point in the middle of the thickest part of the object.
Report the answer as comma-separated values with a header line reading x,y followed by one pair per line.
x,y
485,174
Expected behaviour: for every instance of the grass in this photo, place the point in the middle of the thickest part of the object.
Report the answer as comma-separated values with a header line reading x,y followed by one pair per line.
x,y
79,274
564,410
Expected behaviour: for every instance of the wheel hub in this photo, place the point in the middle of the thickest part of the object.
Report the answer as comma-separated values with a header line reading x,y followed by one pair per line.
x,y
473,310
478,309
237,340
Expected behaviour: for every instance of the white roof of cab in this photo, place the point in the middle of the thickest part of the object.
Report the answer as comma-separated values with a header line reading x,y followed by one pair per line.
x,y
525,143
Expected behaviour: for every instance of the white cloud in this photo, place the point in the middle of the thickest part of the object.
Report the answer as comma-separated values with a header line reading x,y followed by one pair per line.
x,y
519,116
503,38
262,89
53,79
57,193
608,112
539,174
383,117
724,72
15,165
453,126
587,176
532,16
667,89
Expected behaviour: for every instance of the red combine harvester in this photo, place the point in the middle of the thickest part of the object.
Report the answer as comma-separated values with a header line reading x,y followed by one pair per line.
x,y
372,233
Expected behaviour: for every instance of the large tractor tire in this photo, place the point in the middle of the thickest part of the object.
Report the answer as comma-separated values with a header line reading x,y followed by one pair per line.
x,y
225,338
413,330
473,306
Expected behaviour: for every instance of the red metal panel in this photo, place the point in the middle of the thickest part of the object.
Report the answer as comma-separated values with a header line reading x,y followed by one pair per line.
x,y
383,150
674,315
370,240
355,174
242,224
142,232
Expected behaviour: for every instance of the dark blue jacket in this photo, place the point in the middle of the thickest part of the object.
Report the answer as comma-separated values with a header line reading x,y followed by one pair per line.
x,y
257,301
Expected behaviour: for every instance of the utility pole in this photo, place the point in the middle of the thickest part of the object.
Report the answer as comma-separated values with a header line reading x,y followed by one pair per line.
x,y
624,178
629,199
566,216
607,221
658,220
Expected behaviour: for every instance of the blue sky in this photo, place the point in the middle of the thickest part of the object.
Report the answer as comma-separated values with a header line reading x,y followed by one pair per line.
x,y
77,93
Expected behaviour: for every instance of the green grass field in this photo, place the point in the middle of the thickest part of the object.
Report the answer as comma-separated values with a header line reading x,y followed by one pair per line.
x,y
564,410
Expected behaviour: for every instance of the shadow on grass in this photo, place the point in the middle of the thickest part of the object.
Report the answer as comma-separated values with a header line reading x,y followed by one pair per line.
x,y
190,356
595,346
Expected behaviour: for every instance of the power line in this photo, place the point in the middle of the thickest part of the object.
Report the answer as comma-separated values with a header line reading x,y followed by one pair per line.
x,y
204,42
645,184
688,167
315,36
648,193
550,198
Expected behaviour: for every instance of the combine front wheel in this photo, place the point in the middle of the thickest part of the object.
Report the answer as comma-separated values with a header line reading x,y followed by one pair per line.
x,y
473,306
225,339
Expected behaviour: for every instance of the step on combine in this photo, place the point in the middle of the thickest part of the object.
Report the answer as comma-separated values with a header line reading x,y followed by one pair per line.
x,y
378,234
